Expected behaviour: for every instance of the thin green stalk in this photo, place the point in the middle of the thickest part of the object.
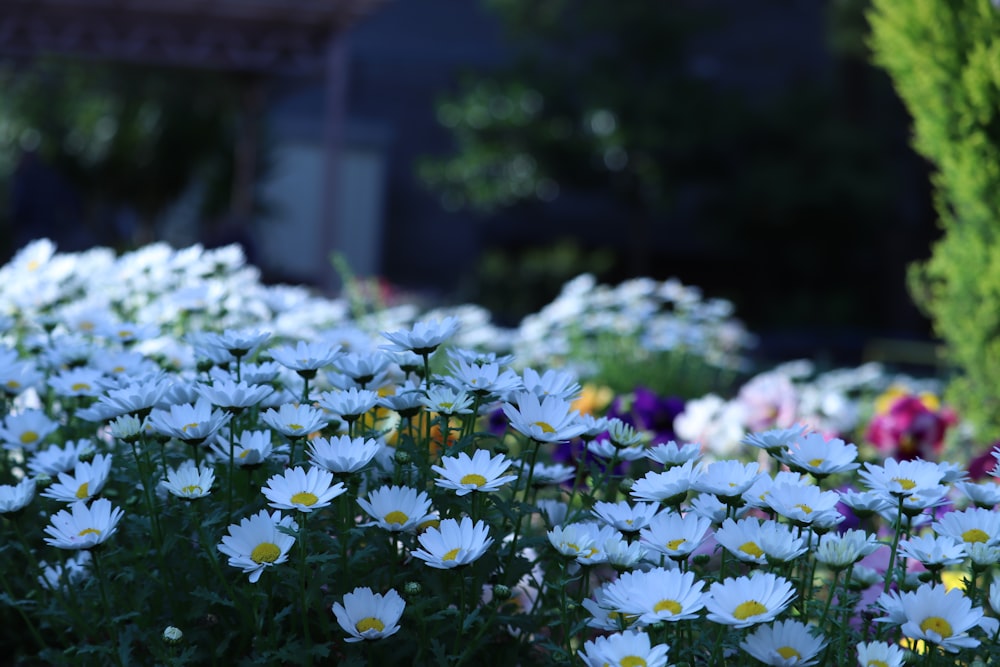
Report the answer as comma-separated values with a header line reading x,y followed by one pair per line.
x,y
108,618
21,612
304,581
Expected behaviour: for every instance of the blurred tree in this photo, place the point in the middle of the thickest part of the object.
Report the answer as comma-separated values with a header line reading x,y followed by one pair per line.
x,y
944,58
120,135
607,98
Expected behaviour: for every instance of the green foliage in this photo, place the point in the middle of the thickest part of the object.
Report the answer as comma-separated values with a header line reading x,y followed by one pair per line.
x,y
944,58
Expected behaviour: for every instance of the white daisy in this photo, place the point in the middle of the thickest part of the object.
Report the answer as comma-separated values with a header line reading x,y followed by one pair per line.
x,y
453,543
302,490
14,498
656,595
250,448
26,430
232,395
840,550
305,358
553,382
368,615
188,481
397,508
984,494
448,400
189,422
814,454
256,543
544,475
971,525
87,480
56,459
670,486
424,337
775,440
479,473
675,535
625,517
745,601
783,644
83,526
606,450
880,654
803,505
726,479
941,617
933,551
349,404
624,648
295,421
342,454
483,379
550,419
624,436
672,454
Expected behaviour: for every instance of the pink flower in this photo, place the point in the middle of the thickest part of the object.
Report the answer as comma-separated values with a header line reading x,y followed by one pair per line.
x,y
909,429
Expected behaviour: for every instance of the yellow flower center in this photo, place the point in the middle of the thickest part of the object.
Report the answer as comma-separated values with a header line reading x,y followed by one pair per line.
x,y
447,405
83,491
295,427
907,484
243,454
570,545
28,437
89,531
936,624
787,652
805,508
370,623
676,544
265,552
672,606
975,535
815,463
745,610
187,426
451,555
545,426
751,549
304,498
124,333
396,517
191,490
80,386
474,479
877,663
632,661
13,384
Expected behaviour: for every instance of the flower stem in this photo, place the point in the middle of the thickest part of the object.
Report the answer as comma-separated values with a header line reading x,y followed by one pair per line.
x,y
102,585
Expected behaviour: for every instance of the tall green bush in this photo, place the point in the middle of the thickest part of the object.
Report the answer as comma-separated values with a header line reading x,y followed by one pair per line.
x,y
944,59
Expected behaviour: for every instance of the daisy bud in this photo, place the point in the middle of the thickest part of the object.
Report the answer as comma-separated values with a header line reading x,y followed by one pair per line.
x,y
501,592
172,635
402,457
625,486
43,481
701,560
412,589
87,456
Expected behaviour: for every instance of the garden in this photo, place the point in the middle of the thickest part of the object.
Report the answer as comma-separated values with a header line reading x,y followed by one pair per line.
x,y
201,467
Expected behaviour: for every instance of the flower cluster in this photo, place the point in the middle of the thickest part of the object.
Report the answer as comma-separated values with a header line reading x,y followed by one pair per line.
x,y
210,471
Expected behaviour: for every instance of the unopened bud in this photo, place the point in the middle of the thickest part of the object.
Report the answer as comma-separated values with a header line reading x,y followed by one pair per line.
x,y
412,589
625,485
402,457
172,635
501,592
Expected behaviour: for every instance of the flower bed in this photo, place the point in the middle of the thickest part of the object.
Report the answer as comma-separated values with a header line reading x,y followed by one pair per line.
x,y
201,469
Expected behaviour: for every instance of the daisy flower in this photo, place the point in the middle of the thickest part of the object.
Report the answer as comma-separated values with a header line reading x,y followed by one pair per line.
x,y
603,615
368,615
672,454
783,644
256,543
745,601
238,342
453,543
233,396
397,508
880,654
621,554
624,648
363,367
775,440
803,505
87,480
478,473
624,436
77,382
865,503
942,617
656,595
349,404
295,421
423,338
726,479
483,379
985,494
16,497
971,525
557,473
189,422
61,575
448,400
606,450
305,491
902,478
342,454
552,382
26,429
625,517
250,448
933,551
56,459
753,541
188,481
840,550
670,486
549,419
675,535
819,457
305,358
83,526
